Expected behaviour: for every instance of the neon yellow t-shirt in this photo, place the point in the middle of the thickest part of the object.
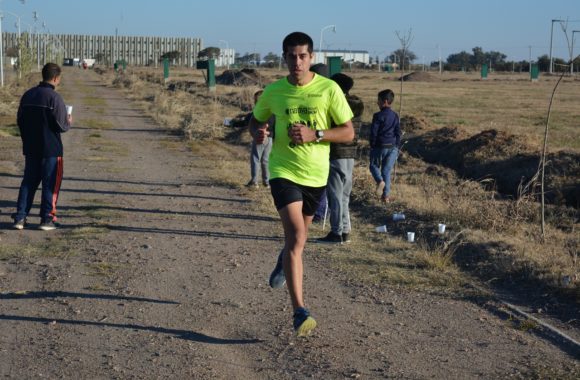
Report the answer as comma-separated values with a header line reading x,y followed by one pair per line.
x,y
316,105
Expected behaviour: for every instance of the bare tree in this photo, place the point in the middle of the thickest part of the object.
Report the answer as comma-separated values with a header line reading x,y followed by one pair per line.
x,y
405,41
405,44
542,165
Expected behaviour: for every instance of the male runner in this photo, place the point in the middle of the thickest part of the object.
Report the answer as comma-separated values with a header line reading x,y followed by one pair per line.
x,y
305,105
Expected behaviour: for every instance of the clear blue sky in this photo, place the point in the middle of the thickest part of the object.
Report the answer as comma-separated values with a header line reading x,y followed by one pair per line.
x,y
508,26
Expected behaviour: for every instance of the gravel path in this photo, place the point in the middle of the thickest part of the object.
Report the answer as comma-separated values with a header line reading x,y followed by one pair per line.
x,y
160,273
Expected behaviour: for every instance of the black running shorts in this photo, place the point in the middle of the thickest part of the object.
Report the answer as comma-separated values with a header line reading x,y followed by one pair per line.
x,y
285,192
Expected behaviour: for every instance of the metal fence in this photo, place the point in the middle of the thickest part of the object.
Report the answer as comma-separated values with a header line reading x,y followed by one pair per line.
x,y
137,51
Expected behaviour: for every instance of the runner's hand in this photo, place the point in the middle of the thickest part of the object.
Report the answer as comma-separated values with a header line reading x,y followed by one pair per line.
x,y
300,134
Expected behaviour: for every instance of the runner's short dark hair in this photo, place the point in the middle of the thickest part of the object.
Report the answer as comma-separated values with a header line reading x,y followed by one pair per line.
x,y
297,39
387,95
50,71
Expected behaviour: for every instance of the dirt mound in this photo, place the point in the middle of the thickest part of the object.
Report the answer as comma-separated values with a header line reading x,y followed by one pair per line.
x,y
499,157
244,77
419,76
414,125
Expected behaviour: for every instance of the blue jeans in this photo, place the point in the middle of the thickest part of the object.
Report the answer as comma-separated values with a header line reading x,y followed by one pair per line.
x,y
259,160
382,162
47,170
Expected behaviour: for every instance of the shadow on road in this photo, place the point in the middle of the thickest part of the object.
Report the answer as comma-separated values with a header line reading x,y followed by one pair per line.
x,y
151,194
167,212
59,294
127,182
181,334
213,234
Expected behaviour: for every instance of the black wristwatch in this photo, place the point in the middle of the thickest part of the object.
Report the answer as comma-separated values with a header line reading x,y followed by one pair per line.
x,y
319,135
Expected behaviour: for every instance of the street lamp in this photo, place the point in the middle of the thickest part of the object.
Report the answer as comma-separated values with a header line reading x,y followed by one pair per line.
x,y
19,48
227,52
551,39
321,34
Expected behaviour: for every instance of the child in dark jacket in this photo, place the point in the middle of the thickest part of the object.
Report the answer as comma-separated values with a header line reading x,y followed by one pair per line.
x,y
385,139
42,117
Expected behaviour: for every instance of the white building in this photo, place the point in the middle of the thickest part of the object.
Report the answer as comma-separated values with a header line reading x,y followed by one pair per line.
x,y
226,58
348,56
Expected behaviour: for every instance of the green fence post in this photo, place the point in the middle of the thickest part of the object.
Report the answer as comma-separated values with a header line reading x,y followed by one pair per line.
x,y
484,71
334,65
165,69
534,72
209,66
211,74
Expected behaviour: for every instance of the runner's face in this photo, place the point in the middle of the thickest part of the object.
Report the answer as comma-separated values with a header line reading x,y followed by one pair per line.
x,y
298,59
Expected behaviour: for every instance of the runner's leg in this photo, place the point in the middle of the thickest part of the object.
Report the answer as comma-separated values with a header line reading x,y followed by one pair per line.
x,y
295,232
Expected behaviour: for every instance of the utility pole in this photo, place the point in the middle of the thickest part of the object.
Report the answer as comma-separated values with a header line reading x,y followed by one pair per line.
x,y
551,41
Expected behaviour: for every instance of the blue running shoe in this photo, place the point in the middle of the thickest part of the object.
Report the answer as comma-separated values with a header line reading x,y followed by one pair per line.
x,y
303,322
277,278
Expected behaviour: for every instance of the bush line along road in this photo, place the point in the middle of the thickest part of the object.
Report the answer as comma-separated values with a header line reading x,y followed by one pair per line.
x,y
160,271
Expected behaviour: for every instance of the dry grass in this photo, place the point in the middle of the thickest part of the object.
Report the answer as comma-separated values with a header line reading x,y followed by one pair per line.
x,y
9,130
502,233
506,102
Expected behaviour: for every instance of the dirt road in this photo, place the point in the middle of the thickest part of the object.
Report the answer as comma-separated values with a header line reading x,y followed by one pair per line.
x,y
160,273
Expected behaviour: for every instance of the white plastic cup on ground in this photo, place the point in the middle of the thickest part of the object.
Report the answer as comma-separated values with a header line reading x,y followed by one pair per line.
x,y
398,216
227,121
381,229
441,228
69,110
410,237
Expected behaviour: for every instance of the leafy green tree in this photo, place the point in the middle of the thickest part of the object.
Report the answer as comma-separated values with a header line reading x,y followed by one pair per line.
x,y
495,57
397,56
478,58
544,63
248,59
459,61
209,53
171,55
271,57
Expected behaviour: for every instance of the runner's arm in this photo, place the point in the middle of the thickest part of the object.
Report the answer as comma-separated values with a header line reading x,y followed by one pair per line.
x,y
342,133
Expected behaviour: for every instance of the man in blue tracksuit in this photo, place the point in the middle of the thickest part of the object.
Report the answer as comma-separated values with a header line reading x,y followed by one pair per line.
x,y
384,139
42,117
